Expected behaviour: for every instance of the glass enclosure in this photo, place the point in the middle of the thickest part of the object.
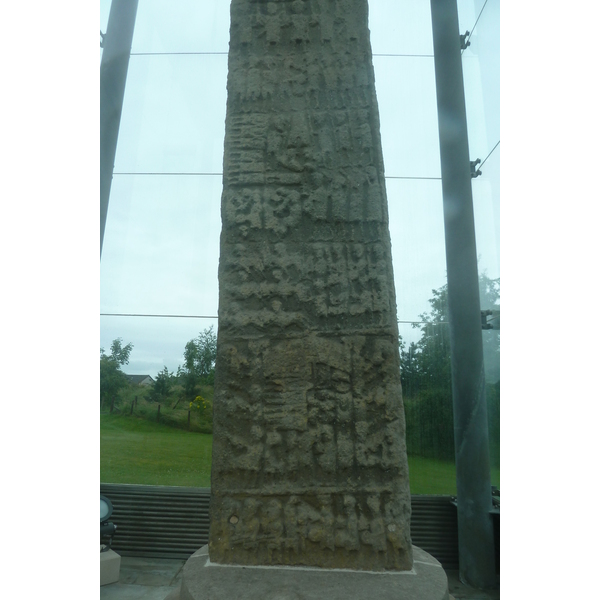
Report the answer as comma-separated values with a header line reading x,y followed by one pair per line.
x,y
159,289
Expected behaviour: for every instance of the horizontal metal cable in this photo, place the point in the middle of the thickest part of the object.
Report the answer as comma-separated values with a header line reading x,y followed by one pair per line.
x,y
174,53
402,177
407,55
162,316
224,53
426,322
220,174
214,317
161,173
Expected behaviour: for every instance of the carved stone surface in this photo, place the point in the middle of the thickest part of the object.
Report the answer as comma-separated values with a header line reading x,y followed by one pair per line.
x,y
309,457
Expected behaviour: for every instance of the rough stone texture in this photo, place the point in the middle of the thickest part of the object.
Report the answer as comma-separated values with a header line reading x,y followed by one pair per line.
x,y
309,458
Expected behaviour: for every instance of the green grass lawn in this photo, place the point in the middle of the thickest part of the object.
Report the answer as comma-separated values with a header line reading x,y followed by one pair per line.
x,y
430,476
134,450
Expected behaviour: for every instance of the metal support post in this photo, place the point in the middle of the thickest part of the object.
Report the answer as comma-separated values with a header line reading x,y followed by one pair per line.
x,y
474,498
113,74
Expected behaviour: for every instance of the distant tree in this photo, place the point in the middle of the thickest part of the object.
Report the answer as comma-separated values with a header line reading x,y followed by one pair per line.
x,y
120,353
409,368
112,379
200,354
426,374
426,363
163,385
199,358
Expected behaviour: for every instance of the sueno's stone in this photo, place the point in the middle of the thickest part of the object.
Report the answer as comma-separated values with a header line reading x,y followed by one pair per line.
x,y
309,456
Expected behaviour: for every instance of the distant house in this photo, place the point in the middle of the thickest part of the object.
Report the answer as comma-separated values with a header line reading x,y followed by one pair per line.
x,y
140,379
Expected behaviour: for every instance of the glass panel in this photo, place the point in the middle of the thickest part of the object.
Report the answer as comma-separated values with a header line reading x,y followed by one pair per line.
x,y
104,11
418,252
481,69
157,343
173,114
427,395
162,237
181,26
161,247
467,14
400,27
481,72
408,116
486,207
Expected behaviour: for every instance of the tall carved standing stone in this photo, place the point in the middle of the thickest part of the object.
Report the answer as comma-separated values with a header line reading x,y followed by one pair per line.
x,y
309,457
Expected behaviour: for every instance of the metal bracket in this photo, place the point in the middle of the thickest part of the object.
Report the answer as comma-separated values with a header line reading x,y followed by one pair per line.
x,y
464,43
475,172
102,36
493,323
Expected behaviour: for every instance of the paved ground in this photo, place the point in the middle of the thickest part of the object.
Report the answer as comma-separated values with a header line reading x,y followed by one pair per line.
x,y
460,591
155,578
147,578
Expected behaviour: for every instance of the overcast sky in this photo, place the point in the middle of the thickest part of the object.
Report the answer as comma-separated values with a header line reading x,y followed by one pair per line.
x,y
161,246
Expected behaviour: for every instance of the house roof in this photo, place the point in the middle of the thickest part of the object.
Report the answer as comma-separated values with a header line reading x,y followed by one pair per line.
x,y
138,378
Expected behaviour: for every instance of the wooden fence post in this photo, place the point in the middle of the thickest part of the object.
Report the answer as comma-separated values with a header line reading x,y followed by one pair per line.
x,y
135,400
131,408
112,404
158,414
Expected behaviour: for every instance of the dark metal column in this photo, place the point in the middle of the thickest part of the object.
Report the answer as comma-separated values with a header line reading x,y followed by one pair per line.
x,y
475,532
113,74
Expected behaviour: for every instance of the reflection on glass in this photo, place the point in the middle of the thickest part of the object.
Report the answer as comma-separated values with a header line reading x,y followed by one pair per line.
x,y
162,245
181,26
427,391
408,116
417,236
173,115
400,27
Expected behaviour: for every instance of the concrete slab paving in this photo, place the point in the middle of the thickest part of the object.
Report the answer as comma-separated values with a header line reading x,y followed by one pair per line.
x,y
120,591
150,571
460,591
147,578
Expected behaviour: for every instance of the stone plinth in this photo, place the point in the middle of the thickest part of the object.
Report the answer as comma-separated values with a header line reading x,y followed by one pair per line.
x,y
110,567
202,580
309,458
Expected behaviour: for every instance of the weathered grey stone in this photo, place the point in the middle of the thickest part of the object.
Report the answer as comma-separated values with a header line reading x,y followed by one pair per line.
x,y
203,580
309,458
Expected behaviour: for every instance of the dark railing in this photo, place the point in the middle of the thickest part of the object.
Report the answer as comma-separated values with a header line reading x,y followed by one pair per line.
x,y
172,522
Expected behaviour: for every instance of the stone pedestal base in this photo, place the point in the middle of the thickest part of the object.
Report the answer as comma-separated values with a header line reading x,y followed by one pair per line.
x,y
110,566
203,580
